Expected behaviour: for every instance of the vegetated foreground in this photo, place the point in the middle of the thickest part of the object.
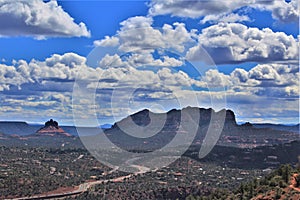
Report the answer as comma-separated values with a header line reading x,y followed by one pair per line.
x,y
34,171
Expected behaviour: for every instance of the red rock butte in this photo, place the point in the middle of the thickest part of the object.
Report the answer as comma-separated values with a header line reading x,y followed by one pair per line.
x,y
51,128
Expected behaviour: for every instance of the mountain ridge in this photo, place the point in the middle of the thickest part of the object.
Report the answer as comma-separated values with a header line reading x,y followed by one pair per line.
x,y
154,130
178,122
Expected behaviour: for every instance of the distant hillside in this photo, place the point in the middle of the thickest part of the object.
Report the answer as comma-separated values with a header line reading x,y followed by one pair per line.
x,y
18,128
280,127
3,136
256,158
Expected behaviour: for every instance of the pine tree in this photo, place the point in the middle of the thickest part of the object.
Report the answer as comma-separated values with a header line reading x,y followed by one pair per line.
x,y
297,178
287,173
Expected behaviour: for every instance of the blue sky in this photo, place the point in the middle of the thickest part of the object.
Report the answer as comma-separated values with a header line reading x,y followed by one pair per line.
x,y
128,55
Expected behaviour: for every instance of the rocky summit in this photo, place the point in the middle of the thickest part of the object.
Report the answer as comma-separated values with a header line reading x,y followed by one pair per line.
x,y
52,128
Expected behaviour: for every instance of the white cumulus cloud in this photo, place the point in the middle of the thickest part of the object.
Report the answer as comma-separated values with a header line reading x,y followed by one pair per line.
x,y
213,10
38,19
107,42
138,35
233,42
